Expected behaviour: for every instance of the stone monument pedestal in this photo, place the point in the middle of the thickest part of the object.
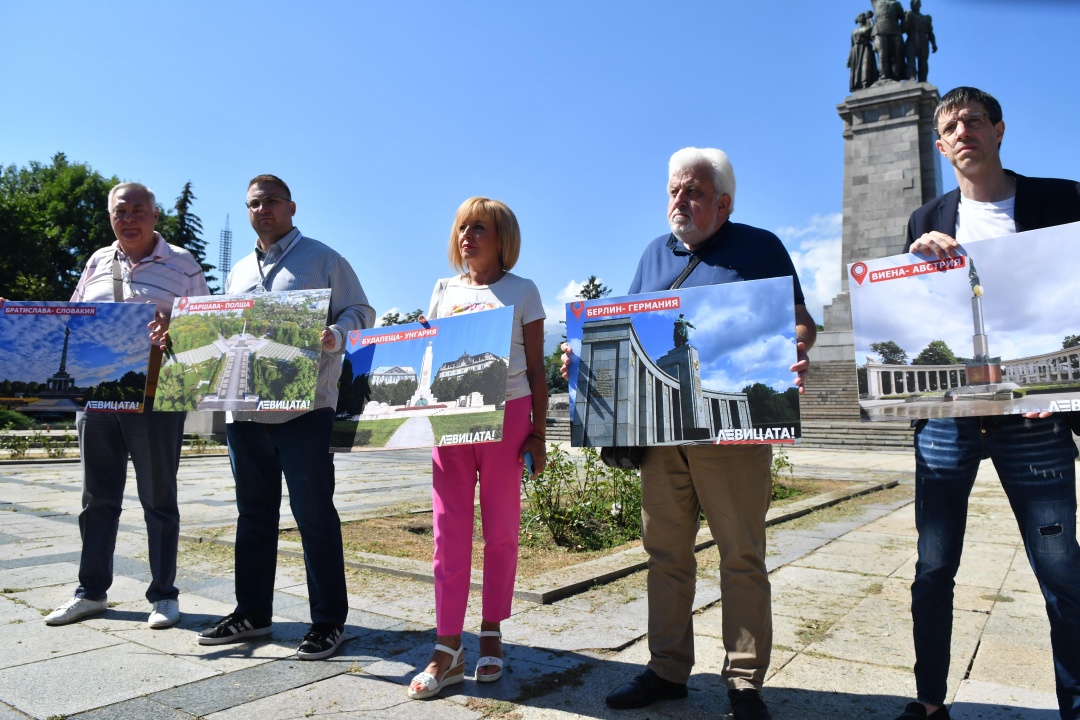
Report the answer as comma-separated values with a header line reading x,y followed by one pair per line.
x,y
891,168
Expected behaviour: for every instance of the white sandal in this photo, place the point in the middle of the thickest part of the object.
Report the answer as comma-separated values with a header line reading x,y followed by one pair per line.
x,y
432,685
489,660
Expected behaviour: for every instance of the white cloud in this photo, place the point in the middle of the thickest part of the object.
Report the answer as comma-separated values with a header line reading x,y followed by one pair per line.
x,y
815,251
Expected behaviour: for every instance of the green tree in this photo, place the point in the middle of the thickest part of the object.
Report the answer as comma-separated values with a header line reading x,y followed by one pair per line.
x,y
1070,341
936,353
52,217
395,318
769,406
593,289
186,231
890,352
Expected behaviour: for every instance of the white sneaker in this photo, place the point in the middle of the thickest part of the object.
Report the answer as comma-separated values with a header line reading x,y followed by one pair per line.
x,y
75,609
166,614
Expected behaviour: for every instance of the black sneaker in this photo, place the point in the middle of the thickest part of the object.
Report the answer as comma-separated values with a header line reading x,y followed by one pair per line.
x,y
235,627
321,641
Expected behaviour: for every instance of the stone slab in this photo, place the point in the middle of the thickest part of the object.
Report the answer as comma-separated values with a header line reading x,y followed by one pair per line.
x,y
238,688
980,700
32,642
347,695
94,679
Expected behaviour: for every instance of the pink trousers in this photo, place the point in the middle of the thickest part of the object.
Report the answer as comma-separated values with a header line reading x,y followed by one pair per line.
x,y
456,470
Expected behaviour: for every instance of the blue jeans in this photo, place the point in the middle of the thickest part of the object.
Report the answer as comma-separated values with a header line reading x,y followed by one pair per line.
x,y
260,453
106,440
1035,462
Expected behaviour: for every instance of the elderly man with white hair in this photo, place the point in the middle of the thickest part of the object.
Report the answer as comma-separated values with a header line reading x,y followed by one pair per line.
x,y
139,267
731,484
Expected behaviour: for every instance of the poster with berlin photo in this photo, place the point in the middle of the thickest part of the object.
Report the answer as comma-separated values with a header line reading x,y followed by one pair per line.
x,y
994,331
694,365
256,351
418,385
62,357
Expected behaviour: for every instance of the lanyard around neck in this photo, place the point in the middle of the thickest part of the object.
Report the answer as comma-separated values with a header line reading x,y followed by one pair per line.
x,y
286,251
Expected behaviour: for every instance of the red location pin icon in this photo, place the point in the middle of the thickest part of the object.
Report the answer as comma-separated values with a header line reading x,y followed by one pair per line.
x,y
858,271
182,303
354,337
576,308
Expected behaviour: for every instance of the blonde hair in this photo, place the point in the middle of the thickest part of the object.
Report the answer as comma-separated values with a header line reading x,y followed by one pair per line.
x,y
506,226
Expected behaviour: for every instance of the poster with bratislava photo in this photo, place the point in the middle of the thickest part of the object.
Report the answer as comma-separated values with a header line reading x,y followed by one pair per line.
x,y
694,365
255,351
994,331
424,384
62,357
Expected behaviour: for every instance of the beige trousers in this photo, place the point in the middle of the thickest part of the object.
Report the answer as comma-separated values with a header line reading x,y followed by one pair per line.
x,y
732,485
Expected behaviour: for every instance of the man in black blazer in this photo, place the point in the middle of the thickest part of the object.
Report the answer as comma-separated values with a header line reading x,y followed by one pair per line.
x,y
1034,454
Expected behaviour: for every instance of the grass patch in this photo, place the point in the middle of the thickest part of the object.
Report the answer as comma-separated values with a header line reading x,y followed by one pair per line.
x,y
467,422
410,536
848,508
812,631
372,433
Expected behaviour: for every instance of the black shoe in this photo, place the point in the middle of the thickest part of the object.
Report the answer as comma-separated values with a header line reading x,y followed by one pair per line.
x,y
746,704
917,711
645,689
321,641
235,627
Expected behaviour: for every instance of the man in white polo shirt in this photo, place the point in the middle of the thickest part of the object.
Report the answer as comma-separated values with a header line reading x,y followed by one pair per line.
x,y
139,267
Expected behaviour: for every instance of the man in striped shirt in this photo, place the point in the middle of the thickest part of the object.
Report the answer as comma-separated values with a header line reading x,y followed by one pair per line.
x,y
265,445
139,267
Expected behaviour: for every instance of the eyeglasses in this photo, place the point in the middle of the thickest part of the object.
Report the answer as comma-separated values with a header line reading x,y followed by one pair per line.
x,y
972,121
270,201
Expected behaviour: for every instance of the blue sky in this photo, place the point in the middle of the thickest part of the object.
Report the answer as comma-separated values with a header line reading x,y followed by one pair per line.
x,y
744,332
31,345
1019,323
473,333
384,117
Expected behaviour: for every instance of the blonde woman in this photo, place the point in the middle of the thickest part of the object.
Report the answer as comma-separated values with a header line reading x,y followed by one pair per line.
x,y
484,246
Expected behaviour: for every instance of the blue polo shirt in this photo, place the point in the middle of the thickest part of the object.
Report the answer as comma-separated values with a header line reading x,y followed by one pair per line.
x,y
736,252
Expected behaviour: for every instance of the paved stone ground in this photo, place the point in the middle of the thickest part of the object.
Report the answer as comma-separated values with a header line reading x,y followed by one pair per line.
x,y
840,604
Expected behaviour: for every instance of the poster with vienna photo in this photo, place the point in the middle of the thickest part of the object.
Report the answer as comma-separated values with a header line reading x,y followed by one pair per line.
x,y
700,364
256,351
61,357
424,384
993,331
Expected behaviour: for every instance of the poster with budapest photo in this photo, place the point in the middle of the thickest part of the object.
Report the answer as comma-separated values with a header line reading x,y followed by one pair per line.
x,y
419,385
61,357
257,351
700,364
994,331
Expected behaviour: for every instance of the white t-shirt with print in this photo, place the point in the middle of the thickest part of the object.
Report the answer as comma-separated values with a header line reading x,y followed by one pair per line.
x,y
453,297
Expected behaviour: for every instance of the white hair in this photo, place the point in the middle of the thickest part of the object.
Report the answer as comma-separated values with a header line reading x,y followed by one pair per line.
x,y
128,185
723,176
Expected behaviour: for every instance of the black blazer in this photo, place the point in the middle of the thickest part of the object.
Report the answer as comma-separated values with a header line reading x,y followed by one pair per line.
x,y
1040,203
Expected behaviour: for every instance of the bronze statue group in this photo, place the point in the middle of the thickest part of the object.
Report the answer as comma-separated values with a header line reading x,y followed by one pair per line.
x,y
889,44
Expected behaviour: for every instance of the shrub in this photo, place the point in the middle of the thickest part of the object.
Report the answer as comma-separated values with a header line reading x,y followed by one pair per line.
x,y
586,506
11,420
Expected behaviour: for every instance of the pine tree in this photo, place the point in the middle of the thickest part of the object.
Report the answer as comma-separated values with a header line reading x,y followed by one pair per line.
x,y
187,232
